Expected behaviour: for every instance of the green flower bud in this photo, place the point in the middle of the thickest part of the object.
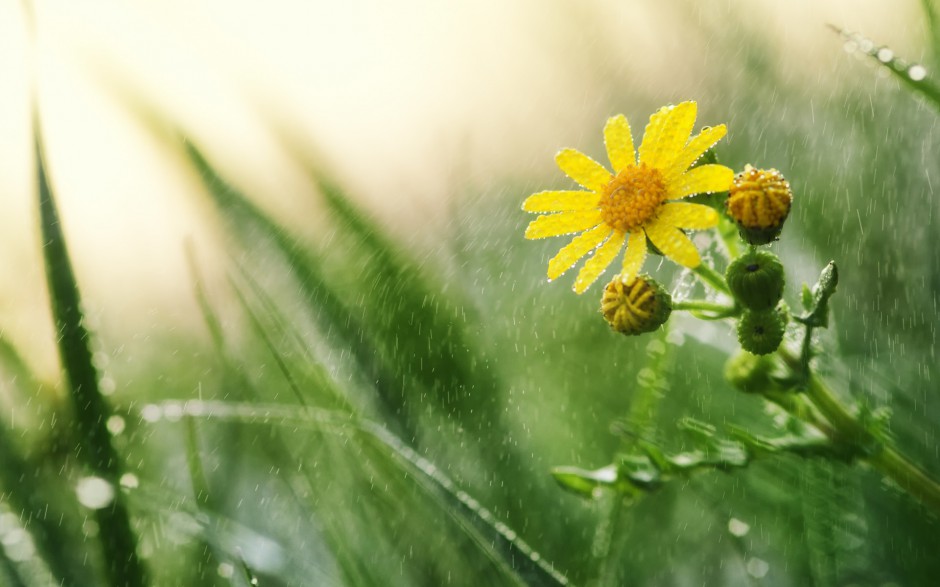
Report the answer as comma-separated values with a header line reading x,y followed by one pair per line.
x,y
751,373
634,308
756,280
759,202
761,333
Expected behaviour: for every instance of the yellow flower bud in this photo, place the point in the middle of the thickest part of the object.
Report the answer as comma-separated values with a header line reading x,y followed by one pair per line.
x,y
759,202
634,308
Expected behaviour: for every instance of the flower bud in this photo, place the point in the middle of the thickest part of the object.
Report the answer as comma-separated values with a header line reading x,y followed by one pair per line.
x,y
761,333
634,308
756,280
750,373
759,202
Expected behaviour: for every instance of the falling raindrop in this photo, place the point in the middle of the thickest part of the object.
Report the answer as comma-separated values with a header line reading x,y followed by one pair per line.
x,y
94,492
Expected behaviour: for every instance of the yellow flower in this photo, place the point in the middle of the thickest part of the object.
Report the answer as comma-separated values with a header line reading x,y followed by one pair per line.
x,y
637,201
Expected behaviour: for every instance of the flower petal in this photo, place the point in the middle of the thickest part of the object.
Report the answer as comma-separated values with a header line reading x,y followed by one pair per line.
x,y
700,180
700,143
686,215
583,169
559,201
619,142
635,255
673,243
577,248
667,133
562,223
599,262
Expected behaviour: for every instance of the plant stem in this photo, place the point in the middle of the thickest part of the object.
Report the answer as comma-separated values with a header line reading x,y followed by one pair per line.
x,y
712,277
886,458
723,310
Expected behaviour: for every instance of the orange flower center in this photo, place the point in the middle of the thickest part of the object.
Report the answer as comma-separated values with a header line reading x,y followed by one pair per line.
x,y
632,197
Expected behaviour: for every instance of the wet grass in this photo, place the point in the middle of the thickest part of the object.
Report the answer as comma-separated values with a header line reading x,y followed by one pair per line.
x,y
357,417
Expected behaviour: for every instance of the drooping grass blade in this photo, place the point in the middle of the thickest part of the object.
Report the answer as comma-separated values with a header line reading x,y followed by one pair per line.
x,y
912,75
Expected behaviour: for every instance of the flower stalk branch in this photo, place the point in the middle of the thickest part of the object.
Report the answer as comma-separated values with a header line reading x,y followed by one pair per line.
x,y
878,452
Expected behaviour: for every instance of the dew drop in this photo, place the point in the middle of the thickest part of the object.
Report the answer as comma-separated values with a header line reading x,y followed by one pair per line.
x,y
737,527
12,537
173,412
917,72
225,570
757,568
94,492
107,385
116,425
885,55
151,413
129,481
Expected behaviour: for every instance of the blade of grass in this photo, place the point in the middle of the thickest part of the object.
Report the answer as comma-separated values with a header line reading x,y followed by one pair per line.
x,y
933,28
334,318
913,76
40,513
91,411
501,541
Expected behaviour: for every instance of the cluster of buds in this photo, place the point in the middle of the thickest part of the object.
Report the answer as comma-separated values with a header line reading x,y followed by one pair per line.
x,y
756,281
759,202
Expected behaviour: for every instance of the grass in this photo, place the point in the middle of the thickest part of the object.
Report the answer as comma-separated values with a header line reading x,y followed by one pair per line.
x,y
355,416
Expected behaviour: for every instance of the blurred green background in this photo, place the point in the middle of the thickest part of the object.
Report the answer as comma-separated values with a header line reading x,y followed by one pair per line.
x,y
305,217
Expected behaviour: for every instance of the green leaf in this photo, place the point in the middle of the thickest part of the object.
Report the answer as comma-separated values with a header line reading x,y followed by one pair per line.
x,y
822,291
641,471
584,482
806,298
117,537
913,76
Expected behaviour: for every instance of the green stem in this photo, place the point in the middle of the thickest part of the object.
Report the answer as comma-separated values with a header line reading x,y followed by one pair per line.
x,y
887,459
729,236
722,310
712,277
